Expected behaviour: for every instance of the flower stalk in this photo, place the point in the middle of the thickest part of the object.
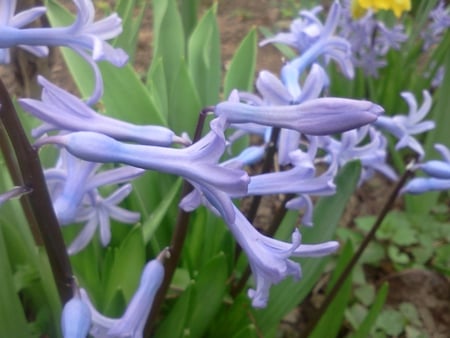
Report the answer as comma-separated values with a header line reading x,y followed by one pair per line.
x,y
39,200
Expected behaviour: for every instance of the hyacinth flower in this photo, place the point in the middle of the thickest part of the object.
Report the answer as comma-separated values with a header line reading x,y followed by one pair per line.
x,y
438,174
276,92
320,116
321,42
403,127
83,36
63,111
370,39
196,163
365,144
74,184
301,180
269,258
440,22
132,322
75,318
22,19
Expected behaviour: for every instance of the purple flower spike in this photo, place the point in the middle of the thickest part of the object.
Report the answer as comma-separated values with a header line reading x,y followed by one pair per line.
x,y
269,258
197,163
61,110
320,116
132,322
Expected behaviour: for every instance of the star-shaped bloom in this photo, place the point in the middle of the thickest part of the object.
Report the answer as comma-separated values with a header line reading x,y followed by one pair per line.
x,y
83,36
364,144
63,111
269,258
404,126
74,185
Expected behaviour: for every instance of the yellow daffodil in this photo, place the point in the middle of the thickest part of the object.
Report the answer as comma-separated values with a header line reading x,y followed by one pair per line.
x,y
359,7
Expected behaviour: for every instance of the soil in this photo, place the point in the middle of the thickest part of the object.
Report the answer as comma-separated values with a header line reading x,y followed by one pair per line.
x,y
429,291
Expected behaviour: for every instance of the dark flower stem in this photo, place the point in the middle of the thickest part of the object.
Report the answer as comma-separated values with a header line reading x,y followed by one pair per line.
x,y
31,175
178,238
369,237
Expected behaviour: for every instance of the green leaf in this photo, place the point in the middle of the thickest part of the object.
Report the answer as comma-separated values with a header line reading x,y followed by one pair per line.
x,y
174,323
397,256
209,291
204,58
154,220
288,294
131,23
126,269
409,311
12,318
240,74
391,322
156,84
247,332
331,321
168,38
369,321
184,103
365,294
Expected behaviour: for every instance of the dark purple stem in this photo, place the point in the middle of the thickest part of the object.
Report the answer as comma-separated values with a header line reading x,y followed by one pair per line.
x,y
39,199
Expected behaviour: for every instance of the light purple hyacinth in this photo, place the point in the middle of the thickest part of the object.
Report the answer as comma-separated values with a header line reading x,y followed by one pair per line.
x,y
438,169
196,163
84,36
370,39
60,110
269,258
321,116
132,323
403,127
364,144
438,174
73,186
440,22
8,18
301,180
312,39
75,318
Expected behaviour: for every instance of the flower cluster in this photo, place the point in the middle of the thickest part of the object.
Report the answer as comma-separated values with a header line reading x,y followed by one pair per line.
x,y
314,136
